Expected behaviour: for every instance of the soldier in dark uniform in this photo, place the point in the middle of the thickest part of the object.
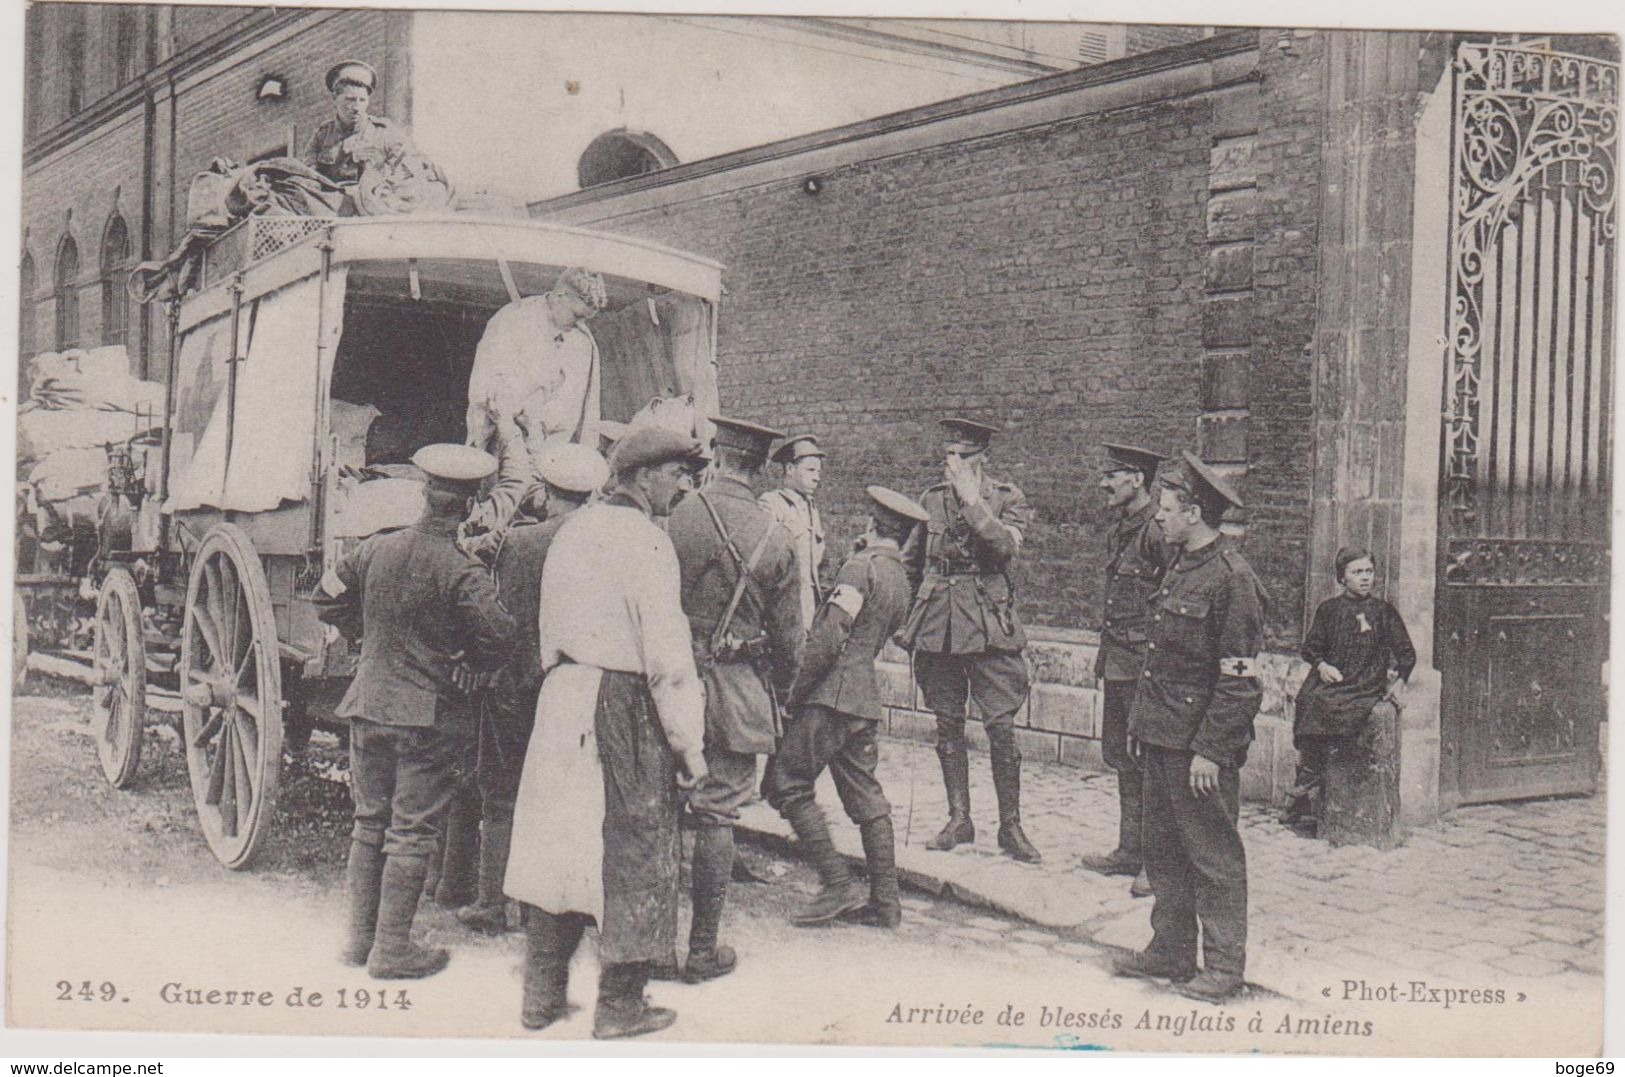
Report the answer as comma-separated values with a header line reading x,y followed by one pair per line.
x,y
419,605
1136,556
835,707
566,475
964,631
352,138
741,592
1192,720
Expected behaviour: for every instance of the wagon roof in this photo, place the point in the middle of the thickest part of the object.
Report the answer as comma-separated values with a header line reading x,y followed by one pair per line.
x,y
271,252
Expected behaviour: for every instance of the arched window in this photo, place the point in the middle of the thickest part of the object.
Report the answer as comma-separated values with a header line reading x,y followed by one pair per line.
x,y
126,33
27,284
622,153
66,290
115,268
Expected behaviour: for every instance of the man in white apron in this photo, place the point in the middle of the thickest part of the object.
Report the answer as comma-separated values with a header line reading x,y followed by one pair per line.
x,y
620,727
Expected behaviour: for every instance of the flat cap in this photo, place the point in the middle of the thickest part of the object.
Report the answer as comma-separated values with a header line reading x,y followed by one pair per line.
x,y
744,436
571,467
647,446
1132,457
586,284
797,448
966,432
1204,484
898,505
454,464
354,71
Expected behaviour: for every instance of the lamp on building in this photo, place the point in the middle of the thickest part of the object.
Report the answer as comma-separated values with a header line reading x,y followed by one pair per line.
x,y
273,88
812,185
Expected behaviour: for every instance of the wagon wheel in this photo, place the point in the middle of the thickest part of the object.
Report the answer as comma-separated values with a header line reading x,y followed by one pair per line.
x,y
19,642
231,695
119,695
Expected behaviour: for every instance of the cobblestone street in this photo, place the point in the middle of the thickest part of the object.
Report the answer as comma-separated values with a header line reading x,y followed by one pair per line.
x,y
1489,892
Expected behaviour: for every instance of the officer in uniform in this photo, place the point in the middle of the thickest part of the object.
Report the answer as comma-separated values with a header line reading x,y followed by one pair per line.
x,y
418,604
352,138
741,592
835,708
1136,556
566,476
1192,719
964,631
792,505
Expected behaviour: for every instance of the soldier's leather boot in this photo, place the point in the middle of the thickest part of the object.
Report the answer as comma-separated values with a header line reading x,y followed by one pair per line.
x,y
885,908
1211,986
623,1011
1149,965
394,955
838,891
489,913
1007,787
550,941
364,879
710,871
1126,858
460,844
956,778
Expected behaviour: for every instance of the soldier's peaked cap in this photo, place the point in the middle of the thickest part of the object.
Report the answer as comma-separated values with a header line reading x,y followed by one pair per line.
x,y
1206,485
797,448
745,436
648,446
354,71
967,432
454,465
1132,457
895,503
571,467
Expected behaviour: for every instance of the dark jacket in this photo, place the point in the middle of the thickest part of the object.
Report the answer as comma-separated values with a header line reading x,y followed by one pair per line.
x,y
1363,638
417,602
959,563
838,666
1199,690
740,711
519,559
1136,555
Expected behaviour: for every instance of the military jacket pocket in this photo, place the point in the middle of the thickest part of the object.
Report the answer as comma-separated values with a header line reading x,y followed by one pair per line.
x,y
1185,606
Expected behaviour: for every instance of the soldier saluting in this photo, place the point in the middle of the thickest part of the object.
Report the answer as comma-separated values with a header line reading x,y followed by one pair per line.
x,y
1192,719
966,637
741,592
835,709
1136,555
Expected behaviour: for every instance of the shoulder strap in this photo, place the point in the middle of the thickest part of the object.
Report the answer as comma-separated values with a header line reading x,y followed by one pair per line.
x,y
744,567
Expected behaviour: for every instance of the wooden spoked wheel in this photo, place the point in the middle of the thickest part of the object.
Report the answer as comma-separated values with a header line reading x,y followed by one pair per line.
x,y
231,695
119,688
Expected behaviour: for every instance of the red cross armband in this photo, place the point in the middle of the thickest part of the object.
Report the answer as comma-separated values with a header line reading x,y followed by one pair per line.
x,y
1238,667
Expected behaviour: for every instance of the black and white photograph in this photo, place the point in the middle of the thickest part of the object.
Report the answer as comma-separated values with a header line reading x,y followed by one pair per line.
x,y
812,530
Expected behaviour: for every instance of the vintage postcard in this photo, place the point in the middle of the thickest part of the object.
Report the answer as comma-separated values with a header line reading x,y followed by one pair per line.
x,y
812,530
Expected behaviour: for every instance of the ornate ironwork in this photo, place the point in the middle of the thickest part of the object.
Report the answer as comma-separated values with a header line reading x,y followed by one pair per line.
x,y
1526,561
1521,114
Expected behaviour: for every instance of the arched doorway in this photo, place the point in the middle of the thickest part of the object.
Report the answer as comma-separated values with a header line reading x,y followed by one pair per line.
x,y
621,154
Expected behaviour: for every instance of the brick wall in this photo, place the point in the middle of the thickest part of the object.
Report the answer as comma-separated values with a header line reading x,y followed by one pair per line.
x,y
1051,280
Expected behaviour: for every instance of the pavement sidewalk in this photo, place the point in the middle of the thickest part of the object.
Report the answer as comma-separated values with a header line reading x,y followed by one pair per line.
x,y
1491,894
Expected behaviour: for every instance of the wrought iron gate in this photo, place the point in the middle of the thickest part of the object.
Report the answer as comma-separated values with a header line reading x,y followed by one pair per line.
x,y
1528,426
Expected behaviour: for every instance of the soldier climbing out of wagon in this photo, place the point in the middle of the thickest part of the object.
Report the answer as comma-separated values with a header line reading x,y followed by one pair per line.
x,y
1359,652
420,606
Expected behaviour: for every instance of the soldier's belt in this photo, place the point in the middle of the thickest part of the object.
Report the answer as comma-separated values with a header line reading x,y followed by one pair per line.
x,y
945,569
734,649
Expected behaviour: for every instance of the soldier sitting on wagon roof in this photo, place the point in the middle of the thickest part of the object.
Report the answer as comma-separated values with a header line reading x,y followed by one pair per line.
x,y
353,137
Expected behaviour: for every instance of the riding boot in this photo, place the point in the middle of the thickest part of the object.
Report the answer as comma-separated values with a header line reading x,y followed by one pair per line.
x,y
885,908
489,914
363,878
394,955
710,871
461,851
1007,787
956,778
838,891
623,1010
550,941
